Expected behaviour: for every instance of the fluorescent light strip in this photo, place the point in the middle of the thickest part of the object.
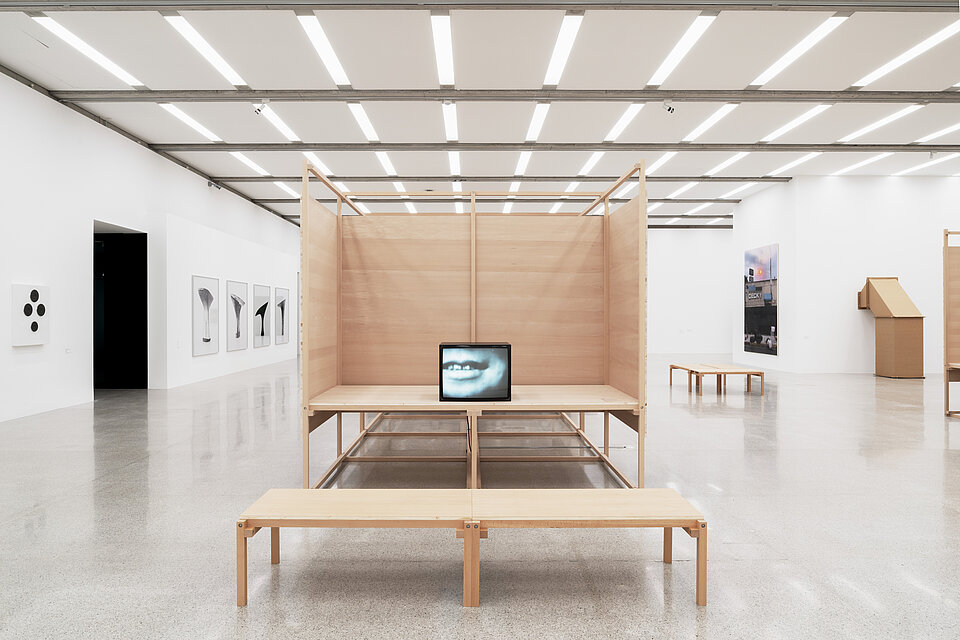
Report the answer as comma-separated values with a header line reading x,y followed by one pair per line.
x,y
342,187
556,207
450,121
443,48
453,158
522,163
674,220
862,163
799,49
400,188
654,206
571,188
882,122
315,161
624,190
507,207
734,192
250,163
930,163
410,207
457,186
683,46
561,50
190,122
908,55
515,186
203,47
659,162
267,112
591,162
290,192
458,206
71,39
726,163
362,207
938,134
698,208
623,122
796,122
683,189
536,122
311,25
713,119
360,115
385,163
794,163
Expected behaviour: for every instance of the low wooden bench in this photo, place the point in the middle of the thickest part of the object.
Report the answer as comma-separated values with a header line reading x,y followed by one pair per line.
x,y
472,513
697,371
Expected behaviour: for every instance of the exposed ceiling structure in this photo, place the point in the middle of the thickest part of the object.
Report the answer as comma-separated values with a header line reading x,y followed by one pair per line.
x,y
720,99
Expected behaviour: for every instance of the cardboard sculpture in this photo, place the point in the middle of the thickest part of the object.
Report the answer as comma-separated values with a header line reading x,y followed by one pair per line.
x,y
899,328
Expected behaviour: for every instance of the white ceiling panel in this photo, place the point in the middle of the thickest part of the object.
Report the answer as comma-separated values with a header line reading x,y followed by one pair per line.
x,y
560,163
495,121
407,121
738,46
621,49
922,122
750,122
276,163
654,124
322,121
353,163
488,163
268,49
264,190
215,164
147,121
144,43
841,120
859,46
383,49
420,162
31,50
580,121
235,121
502,49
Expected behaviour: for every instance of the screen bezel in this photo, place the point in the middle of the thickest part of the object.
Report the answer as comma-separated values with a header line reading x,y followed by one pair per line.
x,y
469,345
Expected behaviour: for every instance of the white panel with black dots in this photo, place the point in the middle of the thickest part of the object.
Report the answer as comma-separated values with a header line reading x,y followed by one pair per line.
x,y
30,324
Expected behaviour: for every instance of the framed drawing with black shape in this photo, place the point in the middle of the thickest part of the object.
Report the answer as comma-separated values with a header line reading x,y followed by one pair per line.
x,y
238,311
261,315
30,320
760,271
281,304
205,296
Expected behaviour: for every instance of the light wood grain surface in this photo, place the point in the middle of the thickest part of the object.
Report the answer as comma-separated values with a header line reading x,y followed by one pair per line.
x,y
361,504
584,505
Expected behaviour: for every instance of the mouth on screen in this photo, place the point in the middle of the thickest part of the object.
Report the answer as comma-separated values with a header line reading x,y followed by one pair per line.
x,y
464,369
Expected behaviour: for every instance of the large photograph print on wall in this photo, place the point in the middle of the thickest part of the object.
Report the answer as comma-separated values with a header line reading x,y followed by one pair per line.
x,y
30,322
237,313
261,315
760,271
205,297
281,301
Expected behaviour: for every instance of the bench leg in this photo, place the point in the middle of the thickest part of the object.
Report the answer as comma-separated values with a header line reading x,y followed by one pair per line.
x,y
749,382
668,545
699,384
274,545
241,566
689,381
702,564
471,564
719,383
761,384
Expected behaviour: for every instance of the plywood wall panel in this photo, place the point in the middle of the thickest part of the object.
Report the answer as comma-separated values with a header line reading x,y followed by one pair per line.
x,y
540,288
405,289
951,303
318,299
627,264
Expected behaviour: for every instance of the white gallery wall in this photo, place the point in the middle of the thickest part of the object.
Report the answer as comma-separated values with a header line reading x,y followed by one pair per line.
x,y
61,172
834,232
688,291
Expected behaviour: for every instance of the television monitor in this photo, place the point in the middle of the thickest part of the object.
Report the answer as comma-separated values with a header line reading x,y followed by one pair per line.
x,y
474,371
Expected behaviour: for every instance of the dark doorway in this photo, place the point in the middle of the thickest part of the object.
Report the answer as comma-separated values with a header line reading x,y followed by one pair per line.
x,y
119,310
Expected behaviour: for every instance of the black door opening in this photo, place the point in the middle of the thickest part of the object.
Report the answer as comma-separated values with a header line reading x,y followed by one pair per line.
x,y
119,310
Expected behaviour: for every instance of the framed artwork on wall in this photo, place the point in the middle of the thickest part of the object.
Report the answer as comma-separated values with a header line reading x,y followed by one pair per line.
x,y
281,302
261,315
238,311
205,296
30,315
761,270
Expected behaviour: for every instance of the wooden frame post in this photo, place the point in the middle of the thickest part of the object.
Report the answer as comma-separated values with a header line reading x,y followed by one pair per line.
x,y
471,563
241,565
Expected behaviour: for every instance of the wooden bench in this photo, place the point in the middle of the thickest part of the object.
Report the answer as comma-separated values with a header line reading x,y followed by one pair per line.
x,y
697,371
471,512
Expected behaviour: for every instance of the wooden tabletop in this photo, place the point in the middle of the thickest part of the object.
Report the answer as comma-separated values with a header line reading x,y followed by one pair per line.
x,y
427,398
361,504
711,369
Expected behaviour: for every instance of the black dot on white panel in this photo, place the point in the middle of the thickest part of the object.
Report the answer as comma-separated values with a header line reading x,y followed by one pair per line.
x,y
28,309
34,295
34,326
41,309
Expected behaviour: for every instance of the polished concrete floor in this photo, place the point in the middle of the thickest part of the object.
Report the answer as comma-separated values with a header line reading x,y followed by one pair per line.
x,y
833,503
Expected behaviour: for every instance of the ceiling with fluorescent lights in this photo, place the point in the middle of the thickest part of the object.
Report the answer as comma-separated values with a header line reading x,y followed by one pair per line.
x,y
175,96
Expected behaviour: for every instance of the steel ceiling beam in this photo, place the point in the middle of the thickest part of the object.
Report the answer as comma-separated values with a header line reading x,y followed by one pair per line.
x,y
509,95
440,5
129,136
635,147
397,198
447,178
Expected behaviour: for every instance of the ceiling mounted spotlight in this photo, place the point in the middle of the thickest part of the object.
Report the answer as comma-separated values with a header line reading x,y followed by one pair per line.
x,y
668,107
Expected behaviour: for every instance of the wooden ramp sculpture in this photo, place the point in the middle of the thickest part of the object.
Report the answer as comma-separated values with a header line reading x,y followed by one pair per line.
x,y
951,318
899,328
